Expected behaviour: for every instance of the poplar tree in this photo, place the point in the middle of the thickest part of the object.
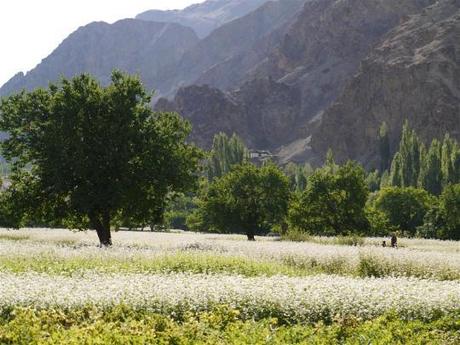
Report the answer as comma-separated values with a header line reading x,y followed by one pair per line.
x,y
226,152
430,173
384,147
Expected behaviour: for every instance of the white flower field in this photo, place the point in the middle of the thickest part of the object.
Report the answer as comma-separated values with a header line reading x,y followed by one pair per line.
x,y
174,274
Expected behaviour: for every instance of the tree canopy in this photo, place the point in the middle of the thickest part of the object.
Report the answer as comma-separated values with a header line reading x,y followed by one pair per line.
x,y
225,153
405,208
247,200
333,202
87,154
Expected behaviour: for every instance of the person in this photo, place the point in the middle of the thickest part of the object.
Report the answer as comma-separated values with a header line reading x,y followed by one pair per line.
x,y
394,241
384,244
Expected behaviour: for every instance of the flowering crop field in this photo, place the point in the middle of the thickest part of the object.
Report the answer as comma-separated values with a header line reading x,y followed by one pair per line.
x,y
57,286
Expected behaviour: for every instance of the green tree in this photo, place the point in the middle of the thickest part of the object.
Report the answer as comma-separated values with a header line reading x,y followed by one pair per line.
x,y
395,177
333,203
449,202
226,152
384,147
88,154
373,181
298,175
430,173
247,200
405,208
409,150
448,147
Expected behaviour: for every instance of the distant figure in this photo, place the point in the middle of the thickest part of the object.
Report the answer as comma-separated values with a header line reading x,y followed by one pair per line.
x,y
384,244
394,241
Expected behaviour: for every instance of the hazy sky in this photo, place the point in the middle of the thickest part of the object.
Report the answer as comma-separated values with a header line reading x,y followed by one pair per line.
x,y
31,29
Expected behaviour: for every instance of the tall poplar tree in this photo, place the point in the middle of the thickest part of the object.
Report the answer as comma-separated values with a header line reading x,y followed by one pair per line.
x,y
226,152
384,147
430,173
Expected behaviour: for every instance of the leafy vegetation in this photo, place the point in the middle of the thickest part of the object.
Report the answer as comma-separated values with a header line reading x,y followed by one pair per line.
x,y
333,202
88,156
123,325
247,200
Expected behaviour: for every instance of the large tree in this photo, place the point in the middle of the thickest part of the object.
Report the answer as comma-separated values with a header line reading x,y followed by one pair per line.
x,y
89,154
247,200
405,208
333,202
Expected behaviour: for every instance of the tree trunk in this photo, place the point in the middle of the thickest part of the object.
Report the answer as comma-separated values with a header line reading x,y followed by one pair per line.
x,y
102,228
104,235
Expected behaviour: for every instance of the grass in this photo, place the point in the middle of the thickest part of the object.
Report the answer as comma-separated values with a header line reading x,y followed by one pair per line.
x,y
208,262
179,262
14,237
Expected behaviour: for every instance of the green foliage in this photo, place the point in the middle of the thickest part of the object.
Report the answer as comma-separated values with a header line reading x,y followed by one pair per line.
x,y
405,208
85,155
224,325
373,181
333,203
379,223
443,217
226,152
395,178
415,166
298,176
247,200
384,147
409,149
449,204
178,209
430,173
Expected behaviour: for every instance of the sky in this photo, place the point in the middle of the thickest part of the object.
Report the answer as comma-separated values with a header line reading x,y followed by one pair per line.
x,y
31,29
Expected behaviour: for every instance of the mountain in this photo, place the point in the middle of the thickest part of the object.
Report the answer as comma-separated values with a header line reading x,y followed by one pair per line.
x,y
225,57
206,16
413,74
281,98
165,55
131,45
292,76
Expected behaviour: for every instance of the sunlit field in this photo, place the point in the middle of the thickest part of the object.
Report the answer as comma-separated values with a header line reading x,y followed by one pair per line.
x,y
59,286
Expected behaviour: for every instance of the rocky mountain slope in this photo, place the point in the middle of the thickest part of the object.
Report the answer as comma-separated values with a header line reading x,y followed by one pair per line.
x,y
292,76
134,46
165,56
413,74
225,57
206,16
303,73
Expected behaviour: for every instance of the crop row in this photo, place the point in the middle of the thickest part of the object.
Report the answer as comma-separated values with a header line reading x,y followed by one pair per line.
x,y
199,253
308,299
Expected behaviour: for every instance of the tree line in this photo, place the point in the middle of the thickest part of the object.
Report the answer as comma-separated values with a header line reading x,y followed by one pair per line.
x,y
86,156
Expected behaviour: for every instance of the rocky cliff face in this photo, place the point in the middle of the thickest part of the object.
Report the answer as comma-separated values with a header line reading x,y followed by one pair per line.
x,y
135,46
281,98
209,110
263,112
413,74
224,58
324,47
207,16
